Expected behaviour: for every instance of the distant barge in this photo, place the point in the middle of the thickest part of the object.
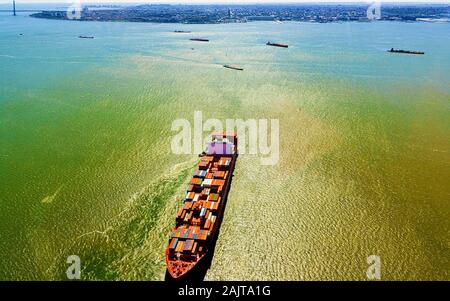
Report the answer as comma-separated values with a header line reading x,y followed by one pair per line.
x,y
198,220
277,44
182,31
392,50
233,67
85,37
199,40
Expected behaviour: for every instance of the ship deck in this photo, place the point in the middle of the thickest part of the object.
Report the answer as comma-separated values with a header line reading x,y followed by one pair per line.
x,y
198,219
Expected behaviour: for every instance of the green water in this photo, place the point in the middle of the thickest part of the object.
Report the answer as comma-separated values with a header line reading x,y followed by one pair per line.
x,y
86,166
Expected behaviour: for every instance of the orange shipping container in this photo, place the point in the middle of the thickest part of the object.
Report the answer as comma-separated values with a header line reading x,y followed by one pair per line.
x,y
179,247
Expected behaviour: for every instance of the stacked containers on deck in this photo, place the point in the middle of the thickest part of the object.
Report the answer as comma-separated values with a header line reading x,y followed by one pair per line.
x,y
196,218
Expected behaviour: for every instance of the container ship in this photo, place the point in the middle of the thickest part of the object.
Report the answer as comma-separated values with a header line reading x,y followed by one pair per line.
x,y
198,220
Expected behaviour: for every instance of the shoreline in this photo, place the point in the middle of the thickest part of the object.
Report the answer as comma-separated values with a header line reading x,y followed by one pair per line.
x,y
34,15
223,14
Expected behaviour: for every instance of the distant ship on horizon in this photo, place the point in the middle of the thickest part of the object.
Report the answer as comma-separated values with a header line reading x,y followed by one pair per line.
x,y
277,44
233,67
199,39
392,50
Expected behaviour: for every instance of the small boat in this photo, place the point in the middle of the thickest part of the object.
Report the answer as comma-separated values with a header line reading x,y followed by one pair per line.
x,y
199,40
277,44
85,37
233,67
182,31
392,50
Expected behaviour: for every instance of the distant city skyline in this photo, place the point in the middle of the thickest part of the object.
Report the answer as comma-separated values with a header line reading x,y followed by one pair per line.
x,y
219,1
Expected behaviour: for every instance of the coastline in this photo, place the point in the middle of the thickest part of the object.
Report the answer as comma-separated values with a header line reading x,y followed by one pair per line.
x,y
221,14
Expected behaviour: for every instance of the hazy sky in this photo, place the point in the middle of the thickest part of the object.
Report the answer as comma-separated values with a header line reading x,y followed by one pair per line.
x,y
217,1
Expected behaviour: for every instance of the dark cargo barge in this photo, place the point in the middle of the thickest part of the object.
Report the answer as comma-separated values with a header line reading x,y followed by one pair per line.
x,y
233,67
277,44
392,50
199,40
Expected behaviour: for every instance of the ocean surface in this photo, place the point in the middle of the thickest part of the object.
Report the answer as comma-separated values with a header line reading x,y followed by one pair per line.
x,y
86,167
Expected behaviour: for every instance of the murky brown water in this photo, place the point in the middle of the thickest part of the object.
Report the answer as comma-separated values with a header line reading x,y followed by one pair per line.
x,y
364,149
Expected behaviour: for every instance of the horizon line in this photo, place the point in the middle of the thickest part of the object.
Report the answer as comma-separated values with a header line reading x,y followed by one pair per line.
x,y
231,2
239,2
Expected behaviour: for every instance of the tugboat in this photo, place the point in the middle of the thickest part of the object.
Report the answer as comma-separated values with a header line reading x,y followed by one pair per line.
x,y
192,241
277,44
392,50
